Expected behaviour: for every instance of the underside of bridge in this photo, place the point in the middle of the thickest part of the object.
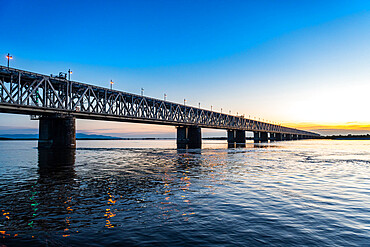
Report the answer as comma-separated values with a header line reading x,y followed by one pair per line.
x,y
59,132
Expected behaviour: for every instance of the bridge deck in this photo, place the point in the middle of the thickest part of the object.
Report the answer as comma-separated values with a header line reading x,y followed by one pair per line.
x,y
25,92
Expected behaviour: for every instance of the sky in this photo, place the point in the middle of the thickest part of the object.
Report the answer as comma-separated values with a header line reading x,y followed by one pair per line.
x,y
304,64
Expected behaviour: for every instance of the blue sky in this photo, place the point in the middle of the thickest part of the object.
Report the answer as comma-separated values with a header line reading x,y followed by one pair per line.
x,y
301,63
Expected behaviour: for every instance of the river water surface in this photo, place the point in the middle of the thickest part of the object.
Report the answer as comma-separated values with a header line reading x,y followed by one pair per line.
x,y
147,193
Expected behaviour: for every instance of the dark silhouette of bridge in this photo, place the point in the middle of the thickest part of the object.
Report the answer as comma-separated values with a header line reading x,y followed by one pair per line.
x,y
56,102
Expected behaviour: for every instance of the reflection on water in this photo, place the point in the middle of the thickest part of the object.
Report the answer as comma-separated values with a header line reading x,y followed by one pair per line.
x,y
56,165
104,193
236,145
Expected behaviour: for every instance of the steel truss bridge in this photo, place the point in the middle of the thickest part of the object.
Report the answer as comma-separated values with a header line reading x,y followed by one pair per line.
x,y
25,92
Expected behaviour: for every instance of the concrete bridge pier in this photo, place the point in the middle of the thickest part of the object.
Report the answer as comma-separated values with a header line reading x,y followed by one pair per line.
x,y
189,137
278,137
272,137
57,132
256,136
264,137
236,138
260,136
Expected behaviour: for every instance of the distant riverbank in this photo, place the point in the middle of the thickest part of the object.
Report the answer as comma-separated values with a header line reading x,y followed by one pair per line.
x,y
100,137
347,137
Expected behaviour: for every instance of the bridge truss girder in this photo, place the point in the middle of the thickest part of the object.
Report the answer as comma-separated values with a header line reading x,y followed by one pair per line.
x,y
31,93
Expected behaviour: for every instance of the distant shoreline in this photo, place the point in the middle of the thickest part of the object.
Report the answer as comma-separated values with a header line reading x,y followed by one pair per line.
x,y
334,137
347,138
94,139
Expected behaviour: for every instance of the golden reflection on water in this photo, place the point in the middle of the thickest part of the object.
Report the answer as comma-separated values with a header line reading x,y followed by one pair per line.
x,y
109,211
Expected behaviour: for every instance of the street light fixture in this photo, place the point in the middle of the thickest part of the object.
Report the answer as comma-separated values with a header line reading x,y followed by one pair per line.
x,y
69,74
165,97
9,57
184,101
211,107
111,84
142,91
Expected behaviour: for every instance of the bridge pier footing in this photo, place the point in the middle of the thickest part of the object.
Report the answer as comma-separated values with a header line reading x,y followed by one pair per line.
x,y
235,138
189,137
57,132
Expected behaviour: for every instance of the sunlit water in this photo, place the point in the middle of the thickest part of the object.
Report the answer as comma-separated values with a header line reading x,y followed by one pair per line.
x,y
145,193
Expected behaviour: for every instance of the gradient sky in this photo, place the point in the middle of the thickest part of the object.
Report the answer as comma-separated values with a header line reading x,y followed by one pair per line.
x,y
304,64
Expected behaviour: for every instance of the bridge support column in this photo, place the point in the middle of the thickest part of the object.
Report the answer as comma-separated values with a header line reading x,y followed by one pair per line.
x,y
189,137
57,132
272,137
264,137
236,138
284,137
256,136
278,137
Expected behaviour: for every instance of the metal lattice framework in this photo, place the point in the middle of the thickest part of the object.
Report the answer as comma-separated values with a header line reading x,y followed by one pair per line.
x,y
25,92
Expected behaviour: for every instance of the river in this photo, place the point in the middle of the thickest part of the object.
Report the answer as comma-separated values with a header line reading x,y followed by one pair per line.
x,y
148,193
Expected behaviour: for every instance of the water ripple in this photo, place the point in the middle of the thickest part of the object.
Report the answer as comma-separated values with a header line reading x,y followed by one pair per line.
x,y
312,193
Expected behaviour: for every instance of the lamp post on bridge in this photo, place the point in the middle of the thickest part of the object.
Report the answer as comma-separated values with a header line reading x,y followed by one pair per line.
x,y
9,57
164,97
142,91
211,107
111,84
69,74
184,101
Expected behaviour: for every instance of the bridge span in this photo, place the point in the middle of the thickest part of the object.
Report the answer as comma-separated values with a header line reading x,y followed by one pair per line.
x,y
57,102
